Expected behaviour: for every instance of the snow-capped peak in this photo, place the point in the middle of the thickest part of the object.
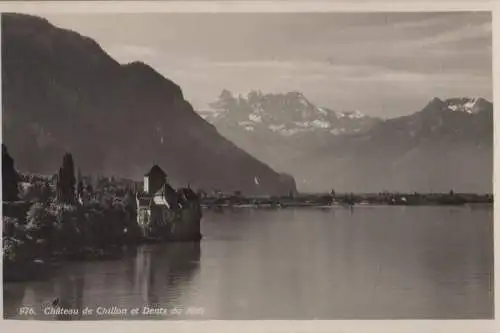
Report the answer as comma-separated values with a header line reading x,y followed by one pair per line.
x,y
467,105
356,114
287,114
323,111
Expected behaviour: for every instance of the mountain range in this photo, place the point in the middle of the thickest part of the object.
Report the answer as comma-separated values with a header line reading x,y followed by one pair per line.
x,y
446,145
61,92
287,115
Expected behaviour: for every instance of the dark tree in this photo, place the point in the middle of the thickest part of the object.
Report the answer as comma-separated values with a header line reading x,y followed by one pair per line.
x,y
10,177
89,189
79,187
66,180
59,185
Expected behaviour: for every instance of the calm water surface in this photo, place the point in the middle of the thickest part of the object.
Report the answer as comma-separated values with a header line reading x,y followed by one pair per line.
x,y
369,263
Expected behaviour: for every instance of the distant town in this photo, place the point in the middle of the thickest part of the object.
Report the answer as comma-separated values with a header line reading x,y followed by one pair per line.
x,y
220,200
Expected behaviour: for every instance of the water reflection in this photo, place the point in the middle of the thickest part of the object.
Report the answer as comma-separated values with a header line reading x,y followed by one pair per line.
x,y
13,300
163,272
155,275
461,271
365,263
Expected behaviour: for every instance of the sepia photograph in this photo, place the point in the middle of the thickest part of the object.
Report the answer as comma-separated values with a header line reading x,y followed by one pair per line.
x,y
247,166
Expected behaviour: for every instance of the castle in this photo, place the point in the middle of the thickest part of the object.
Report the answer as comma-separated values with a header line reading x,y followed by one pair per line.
x,y
166,213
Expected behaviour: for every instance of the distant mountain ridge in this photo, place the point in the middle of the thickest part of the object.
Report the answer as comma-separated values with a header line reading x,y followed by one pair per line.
x,y
446,145
61,92
286,114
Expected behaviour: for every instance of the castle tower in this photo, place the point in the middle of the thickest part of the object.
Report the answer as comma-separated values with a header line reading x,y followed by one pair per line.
x,y
154,179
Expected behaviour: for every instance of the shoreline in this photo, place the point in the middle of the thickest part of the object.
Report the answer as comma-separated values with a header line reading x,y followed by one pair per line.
x,y
328,200
332,206
31,259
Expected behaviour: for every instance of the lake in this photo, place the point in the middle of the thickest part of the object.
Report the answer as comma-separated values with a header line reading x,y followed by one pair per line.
x,y
366,263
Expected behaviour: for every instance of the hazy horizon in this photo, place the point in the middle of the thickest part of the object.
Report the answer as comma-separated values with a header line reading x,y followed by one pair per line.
x,y
382,64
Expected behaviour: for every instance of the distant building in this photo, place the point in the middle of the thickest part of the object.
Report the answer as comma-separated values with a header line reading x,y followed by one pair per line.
x,y
160,208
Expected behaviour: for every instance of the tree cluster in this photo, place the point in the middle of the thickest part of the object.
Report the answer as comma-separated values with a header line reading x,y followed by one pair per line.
x,y
57,222
10,177
66,181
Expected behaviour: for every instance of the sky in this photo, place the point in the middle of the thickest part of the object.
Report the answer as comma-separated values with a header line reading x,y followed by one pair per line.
x,y
382,64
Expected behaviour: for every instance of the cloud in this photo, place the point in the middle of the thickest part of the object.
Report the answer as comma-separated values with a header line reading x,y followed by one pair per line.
x,y
380,63
463,33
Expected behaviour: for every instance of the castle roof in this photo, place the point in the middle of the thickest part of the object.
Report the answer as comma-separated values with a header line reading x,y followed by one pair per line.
x,y
169,193
156,170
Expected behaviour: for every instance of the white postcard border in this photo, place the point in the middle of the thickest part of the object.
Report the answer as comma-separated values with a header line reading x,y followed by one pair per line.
x,y
385,326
